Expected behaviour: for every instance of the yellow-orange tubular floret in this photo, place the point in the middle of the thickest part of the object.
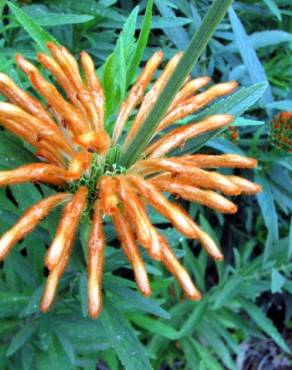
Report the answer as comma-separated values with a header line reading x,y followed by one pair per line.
x,y
70,138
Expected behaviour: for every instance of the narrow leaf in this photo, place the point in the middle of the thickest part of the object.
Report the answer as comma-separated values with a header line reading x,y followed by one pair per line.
x,y
141,43
248,55
123,338
263,322
40,36
21,338
268,209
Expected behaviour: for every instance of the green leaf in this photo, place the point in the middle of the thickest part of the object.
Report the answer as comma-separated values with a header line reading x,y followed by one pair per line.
x,y
209,360
264,323
249,57
67,345
154,326
290,240
141,43
27,356
115,68
83,294
12,303
189,352
21,338
123,338
33,303
125,48
12,152
277,281
243,122
137,300
40,36
54,358
58,19
268,209
192,322
271,4
197,45
227,292
216,343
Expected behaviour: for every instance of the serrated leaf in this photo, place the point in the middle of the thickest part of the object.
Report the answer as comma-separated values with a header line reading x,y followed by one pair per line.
x,y
123,338
217,344
263,322
40,36
141,42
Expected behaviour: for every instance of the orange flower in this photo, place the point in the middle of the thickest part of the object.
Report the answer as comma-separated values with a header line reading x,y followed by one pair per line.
x,y
80,157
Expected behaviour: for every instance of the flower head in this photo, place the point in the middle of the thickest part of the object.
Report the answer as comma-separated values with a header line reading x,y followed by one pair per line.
x,y
281,132
79,158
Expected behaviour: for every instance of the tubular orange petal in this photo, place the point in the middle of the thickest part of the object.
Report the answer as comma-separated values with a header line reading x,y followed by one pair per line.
x,y
29,220
246,186
80,163
96,245
193,194
131,251
224,160
197,102
151,97
108,194
180,135
136,213
72,117
187,90
136,94
94,141
74,87
61,77
175,268
66,230
174,213
42,129
36,172
190,173
25,101
50,290
95,87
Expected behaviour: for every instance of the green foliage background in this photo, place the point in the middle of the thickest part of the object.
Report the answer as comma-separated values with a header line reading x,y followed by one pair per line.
x,y
253,45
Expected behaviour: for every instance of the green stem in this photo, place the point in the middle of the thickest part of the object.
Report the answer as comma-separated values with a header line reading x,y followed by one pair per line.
x,y
197,45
